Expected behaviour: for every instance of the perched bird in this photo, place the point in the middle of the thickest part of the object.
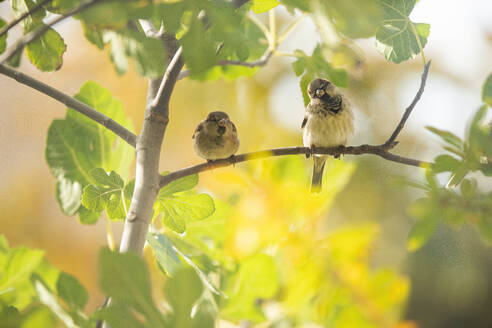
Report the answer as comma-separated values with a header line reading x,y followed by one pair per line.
x,y
216,137
328,122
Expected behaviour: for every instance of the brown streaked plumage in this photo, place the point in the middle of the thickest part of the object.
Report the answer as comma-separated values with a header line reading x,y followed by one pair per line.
x,y
216,137
328,122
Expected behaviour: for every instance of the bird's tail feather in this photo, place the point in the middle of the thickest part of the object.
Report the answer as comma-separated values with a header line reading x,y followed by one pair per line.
x,y
319,165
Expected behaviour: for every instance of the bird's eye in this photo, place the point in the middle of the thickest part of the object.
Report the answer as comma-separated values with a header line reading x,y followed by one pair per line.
x,y
320,93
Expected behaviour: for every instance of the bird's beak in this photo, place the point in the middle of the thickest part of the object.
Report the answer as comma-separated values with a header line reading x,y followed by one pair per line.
x,y
320,93
222,122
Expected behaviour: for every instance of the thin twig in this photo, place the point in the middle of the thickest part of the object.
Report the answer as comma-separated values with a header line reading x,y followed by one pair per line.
x,y
378,150
71,102
409,109
357,150
257,63
36,33
19,19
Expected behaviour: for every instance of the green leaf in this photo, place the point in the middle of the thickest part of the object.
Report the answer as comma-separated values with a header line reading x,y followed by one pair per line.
x,y
447,136
354,18
485,229
3,39
46,52
93,199
304,83
38,317
179,185
261,6
257,279
421,233
198,49
19,266
179,209
125,278
62,6
148,53
398,37
118,315
444,163
102,179
76,145
459,173
164,252
486,91
68,195
317,66
182,292
170,14
49,299
71,291
299,66
93,35
302,5
15,60
479,136
115,14
20,7
88,217
468,188
238,39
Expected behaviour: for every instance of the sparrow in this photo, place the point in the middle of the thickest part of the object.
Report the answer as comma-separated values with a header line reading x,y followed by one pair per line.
x,y
216,137
328,122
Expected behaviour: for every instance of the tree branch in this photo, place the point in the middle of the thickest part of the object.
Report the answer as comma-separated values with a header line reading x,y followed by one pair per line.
x,y
71,102
16,21
351,150
409,109
378,150
36,33
161,100
257,63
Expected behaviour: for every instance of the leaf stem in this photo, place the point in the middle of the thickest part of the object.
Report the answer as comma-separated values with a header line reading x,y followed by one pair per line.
x,y
290,28
273,29
414,31
262,27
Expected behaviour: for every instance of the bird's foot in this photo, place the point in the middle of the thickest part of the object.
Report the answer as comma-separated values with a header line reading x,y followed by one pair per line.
x,y
232,159
340,149
311,151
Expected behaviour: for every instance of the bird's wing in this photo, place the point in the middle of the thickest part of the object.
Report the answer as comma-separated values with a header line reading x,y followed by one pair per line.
x,y
304,121
198,129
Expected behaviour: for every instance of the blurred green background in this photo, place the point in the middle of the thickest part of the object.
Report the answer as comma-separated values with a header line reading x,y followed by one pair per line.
x,y
449,277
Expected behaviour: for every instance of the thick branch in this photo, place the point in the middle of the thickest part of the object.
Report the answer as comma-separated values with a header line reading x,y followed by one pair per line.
x,y
379,150
257,63
36,33
409,109
19,19
161,100
71,102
